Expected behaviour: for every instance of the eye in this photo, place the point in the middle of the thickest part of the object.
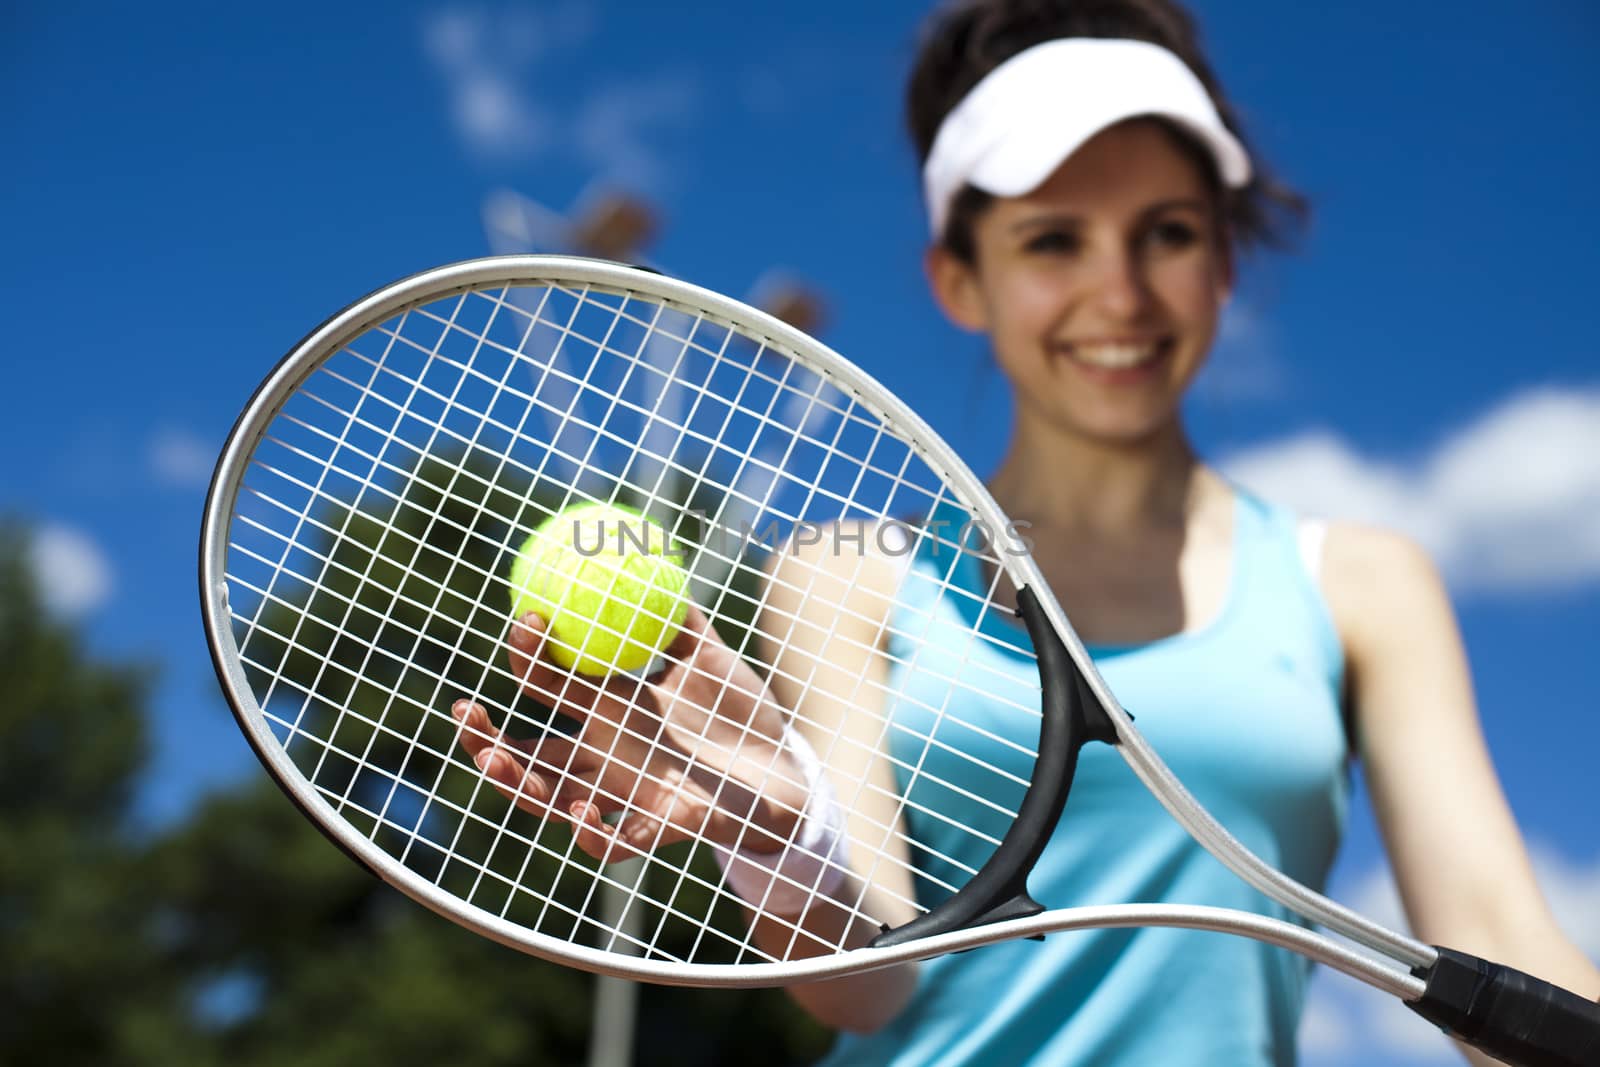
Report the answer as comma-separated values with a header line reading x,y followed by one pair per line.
x,y
1172,234
1053,242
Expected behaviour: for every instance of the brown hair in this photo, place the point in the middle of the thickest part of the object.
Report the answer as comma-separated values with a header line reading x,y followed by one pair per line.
x,y
967,39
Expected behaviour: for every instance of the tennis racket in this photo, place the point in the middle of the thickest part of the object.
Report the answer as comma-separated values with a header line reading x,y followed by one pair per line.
x,y
354,564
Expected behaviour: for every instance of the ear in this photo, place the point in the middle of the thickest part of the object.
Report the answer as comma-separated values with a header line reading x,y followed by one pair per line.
x,y
955,288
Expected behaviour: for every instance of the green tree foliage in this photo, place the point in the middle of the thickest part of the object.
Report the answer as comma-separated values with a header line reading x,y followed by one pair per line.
x,y
356,673
300,957
79,979
242,937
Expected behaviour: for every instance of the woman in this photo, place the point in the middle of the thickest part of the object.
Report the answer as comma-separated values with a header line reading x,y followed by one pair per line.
x,y
1088,191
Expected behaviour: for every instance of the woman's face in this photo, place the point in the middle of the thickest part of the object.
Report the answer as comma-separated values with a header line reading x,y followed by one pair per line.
x,y
1101,289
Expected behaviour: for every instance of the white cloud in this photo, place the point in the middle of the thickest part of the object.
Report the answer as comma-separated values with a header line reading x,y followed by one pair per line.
x,y
482,57
1509,502
496,65
1320,474
180,458
1347,1022
1324,1027
467,38
614,126
494,119
73,573
451,37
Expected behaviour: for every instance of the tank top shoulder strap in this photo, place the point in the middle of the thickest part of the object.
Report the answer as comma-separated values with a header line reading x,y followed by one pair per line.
x,y
1283,549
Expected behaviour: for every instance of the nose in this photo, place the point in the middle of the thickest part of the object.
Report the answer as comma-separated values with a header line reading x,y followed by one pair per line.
x,y
1120,286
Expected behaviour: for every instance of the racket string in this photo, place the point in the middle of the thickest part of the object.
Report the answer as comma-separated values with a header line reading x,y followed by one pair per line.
x,y
344,620
897,661
786,408
428,709
291,541
431,610
483,592
425,707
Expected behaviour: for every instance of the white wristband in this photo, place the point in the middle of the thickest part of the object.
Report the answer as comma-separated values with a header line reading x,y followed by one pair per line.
x,y
812,864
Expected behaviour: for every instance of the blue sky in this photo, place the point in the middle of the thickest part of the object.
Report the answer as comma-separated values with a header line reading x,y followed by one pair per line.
x,y
189,188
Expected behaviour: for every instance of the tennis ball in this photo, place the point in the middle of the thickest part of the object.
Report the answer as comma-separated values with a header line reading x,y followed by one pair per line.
x,y
603,578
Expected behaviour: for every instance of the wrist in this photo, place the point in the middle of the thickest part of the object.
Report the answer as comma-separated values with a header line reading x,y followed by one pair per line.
x,y
810,861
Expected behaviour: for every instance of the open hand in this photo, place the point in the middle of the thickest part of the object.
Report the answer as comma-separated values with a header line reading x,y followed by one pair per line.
x,y
690,752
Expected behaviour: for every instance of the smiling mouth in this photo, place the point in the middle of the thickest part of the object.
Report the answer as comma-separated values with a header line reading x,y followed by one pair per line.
x,y
1116,355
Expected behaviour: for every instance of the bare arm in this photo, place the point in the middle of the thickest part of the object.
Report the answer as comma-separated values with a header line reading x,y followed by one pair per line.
x,y
1459,860
822,630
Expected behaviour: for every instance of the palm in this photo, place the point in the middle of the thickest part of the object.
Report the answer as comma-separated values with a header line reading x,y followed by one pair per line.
x,y
690,752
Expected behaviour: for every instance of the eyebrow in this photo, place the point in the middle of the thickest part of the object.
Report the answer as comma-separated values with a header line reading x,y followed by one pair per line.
x,y
1057,218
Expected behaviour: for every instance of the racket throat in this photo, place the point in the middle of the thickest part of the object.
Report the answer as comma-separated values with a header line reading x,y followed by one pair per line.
x,y
1072,716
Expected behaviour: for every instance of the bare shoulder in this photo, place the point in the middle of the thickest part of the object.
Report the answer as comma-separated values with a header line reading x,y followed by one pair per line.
x,y
1381,586
1357,552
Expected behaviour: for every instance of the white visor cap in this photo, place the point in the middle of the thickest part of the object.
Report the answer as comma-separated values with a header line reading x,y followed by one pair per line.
x,y
1030,113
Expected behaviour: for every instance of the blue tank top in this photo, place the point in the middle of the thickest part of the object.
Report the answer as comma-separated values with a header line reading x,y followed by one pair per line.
x,y
1246,711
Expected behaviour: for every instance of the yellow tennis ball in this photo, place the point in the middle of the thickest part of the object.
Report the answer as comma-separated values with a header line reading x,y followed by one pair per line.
x,y
606,582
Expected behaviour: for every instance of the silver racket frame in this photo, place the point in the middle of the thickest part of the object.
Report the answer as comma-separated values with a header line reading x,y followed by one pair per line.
x,y
455,278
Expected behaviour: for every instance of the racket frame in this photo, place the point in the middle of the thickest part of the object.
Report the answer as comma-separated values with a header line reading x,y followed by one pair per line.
x,y
619,279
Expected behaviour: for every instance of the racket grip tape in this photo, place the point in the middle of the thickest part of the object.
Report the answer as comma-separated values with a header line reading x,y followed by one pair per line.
x,y
1512,1016
1072,716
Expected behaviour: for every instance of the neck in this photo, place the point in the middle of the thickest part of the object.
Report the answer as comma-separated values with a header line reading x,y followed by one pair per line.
x,y
1071,484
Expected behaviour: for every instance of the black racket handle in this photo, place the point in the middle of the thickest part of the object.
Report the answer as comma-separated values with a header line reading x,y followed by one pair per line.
x,y
1512,1016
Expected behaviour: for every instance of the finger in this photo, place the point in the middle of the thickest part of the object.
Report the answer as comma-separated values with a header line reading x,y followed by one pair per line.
x,y
477,731
558,753
517,781
589,832
525,648
635,835
644,832
696,628
554,752
544,680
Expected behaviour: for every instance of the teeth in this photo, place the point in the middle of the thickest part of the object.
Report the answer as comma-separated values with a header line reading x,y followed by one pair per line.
x,y
1114,356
